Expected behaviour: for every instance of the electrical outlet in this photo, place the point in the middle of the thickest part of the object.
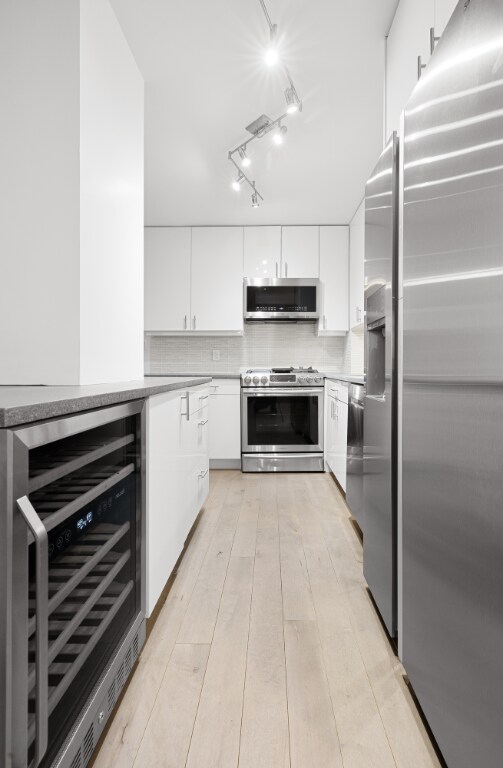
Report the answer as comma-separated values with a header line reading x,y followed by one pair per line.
x,y
216,355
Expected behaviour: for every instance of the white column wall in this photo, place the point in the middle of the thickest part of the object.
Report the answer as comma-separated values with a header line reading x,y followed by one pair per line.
x,y
39,192
111,200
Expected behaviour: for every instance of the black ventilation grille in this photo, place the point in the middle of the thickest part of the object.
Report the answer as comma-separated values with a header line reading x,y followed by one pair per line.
x,y
88,744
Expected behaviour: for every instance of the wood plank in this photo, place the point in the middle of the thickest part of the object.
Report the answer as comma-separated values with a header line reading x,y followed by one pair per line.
x,y
313,734
215,740
201,615
264,729
166,740
246,531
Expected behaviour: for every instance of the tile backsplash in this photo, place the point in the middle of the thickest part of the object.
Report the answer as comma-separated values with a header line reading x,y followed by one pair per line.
x,y
261,346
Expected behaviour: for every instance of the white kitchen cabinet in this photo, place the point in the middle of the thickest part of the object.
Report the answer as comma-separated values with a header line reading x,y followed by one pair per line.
x,y
334,275
217,279
443,12
176,477
336,411
356,267
225,424
300,252
167,278
262,252
408,38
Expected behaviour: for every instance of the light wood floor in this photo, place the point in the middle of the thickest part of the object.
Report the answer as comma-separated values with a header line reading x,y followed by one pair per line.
x,y
268,652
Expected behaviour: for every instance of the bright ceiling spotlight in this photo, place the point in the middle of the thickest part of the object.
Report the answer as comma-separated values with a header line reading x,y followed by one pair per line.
x,y
245,160
279,135
236,184
292,101
254,199
271,54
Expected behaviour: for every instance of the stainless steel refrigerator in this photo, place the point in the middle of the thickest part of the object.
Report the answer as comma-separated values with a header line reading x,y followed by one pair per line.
x,y
452,501
380,406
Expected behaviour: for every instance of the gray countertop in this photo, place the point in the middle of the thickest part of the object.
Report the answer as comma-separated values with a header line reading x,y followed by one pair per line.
x,y
20,405
351,378
218,375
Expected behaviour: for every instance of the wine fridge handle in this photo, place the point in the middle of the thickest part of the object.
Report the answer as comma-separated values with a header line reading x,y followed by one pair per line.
x,y
37,528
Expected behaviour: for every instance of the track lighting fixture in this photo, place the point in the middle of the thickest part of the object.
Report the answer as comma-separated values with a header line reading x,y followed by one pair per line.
x,y
279,135
236,185
293,103
245,160
271,54
264,124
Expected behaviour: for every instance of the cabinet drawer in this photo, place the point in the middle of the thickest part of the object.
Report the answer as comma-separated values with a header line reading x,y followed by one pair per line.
x,y
225,387
338,389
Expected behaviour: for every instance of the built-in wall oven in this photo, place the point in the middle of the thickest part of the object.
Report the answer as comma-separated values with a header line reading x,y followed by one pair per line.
x,y
282,421
72,601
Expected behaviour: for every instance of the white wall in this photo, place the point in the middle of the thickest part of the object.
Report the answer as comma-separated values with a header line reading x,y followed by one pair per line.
x,y
39,191
71,195
111,202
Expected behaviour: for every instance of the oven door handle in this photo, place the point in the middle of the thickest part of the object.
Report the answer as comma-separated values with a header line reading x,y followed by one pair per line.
x,y
271,391
39,532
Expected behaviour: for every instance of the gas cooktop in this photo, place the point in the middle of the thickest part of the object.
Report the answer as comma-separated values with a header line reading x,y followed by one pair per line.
x,y
282,377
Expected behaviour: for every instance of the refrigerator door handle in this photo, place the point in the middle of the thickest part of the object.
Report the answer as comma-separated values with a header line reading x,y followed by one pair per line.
x,y
37,528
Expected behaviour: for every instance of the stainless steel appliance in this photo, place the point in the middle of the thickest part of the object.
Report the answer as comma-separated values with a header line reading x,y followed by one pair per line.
x,y
282,420
281,299
72,594
452,479
380,423
354,456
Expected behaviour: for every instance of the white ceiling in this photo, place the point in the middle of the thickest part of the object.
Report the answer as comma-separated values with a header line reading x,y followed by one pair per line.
x,y
205,80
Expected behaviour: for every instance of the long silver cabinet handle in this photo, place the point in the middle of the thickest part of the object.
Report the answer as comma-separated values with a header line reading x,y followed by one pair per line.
x,y
276,269
194,323
185,323
202,423
286,269
186,396
203,397
203,473
37,528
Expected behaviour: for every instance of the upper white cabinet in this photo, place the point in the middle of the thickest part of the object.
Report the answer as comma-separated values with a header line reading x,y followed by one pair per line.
x,y
300,252
443,12
262,252
217,279
409,38
167,278
356,267
334,274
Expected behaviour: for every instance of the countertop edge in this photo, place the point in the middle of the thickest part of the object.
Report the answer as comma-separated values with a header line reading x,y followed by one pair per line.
x,y
18,415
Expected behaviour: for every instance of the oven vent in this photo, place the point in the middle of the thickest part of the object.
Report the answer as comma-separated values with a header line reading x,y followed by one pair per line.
x,y
135,647
127,661
88,744
76,762
111,697
120,678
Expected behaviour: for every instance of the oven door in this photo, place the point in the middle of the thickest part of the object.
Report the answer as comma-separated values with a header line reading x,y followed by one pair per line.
x,y
282,420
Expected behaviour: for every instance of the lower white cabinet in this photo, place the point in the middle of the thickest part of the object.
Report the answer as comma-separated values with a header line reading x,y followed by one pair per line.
x,y
176,476
225,423
336,429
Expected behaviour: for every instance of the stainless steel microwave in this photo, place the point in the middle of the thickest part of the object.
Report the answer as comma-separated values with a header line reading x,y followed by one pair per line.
x,y
281,299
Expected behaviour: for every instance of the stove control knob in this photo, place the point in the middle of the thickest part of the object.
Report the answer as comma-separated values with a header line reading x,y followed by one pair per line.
x,y
309,379
256,379
317,379
301,379
264,379
247,379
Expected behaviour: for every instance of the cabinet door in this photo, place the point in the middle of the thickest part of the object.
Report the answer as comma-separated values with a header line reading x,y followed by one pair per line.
x,y
225,427
300,251
217,279
341,442
356,267
409,38
443,12
168,476
334,274
167,278
262,251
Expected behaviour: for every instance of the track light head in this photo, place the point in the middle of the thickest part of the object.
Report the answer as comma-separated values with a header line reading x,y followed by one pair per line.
x,y
293,103
236,184
279,135
271,54
245,160
254,198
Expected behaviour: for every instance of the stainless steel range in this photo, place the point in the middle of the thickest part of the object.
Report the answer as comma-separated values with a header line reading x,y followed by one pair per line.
x,y
282,420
